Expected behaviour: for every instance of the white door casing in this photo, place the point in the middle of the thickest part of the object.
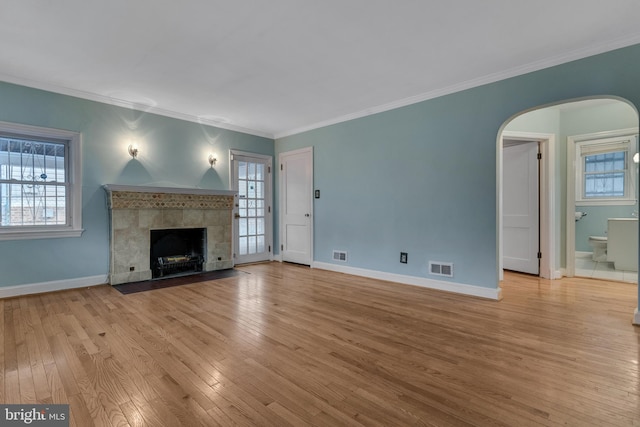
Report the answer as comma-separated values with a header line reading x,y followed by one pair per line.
x,y
296,205
253,219
549,227
521,236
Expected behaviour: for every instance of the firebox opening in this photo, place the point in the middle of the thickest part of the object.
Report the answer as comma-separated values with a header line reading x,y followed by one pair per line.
x,y
177,251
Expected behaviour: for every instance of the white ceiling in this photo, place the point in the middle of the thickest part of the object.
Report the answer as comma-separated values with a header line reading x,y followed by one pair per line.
x,y
278,67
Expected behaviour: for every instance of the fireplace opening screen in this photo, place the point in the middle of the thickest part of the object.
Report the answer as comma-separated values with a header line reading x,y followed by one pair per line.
x,y
177,251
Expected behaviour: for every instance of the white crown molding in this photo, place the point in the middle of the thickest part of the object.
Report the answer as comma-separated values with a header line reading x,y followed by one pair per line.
x,y
57,285
49,87
458,288
469,84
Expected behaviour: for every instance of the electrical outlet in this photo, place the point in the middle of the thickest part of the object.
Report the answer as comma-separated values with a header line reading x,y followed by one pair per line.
x,y
403,257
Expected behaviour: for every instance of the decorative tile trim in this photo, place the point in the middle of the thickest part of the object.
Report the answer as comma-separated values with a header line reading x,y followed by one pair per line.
x,y
144,200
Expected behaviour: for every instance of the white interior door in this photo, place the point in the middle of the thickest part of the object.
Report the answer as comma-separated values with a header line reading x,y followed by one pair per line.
x,y
252,213
296,216
521,236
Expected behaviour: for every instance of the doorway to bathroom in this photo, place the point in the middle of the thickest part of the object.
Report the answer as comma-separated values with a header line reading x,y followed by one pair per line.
x,y
563,241
527,220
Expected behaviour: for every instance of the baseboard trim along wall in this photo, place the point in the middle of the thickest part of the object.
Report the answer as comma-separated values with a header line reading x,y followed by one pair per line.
x,y
56,285
458,288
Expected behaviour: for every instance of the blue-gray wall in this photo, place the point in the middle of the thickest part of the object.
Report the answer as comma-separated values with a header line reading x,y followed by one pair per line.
x,y
422,178
172,153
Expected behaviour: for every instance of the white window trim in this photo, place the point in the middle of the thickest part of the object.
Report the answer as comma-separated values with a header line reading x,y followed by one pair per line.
x,y
599,139
74,229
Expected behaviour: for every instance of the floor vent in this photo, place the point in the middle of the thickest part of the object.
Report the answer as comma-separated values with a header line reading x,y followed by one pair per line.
x,y
441,268
340,256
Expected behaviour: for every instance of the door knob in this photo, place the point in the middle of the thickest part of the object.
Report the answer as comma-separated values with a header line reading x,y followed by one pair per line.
x,y
237,215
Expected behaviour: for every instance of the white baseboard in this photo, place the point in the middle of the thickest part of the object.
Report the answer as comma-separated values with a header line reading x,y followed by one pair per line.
x,y
636,318
458,288
57,285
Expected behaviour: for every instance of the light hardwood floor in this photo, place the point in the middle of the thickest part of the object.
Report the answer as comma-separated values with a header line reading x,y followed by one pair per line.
x,y
287,345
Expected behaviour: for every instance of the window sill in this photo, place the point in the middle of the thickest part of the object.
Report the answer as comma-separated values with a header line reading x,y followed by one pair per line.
x,y
606,202
39,234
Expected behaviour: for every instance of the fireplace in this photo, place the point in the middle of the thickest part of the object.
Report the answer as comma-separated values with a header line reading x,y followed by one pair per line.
x,y
177,251
137,212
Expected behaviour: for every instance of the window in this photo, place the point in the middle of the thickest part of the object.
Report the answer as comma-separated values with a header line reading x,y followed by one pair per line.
x,y
605,171
40,182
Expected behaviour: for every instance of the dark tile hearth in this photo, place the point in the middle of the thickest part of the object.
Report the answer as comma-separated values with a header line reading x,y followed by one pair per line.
x,y
148,285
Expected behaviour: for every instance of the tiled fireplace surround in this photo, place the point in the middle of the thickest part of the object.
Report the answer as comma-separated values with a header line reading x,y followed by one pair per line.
x,y
136,210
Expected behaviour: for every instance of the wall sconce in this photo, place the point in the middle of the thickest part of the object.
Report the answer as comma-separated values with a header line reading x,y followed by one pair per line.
x,y
212,160
133,150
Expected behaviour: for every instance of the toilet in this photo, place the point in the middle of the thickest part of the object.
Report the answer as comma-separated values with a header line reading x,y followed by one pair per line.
x,y
599,246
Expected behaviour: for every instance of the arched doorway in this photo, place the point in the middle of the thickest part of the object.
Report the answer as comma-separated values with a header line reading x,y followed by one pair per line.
x,y
556,129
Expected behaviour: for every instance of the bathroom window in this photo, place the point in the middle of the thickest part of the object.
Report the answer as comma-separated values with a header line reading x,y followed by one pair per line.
x,y
39,182
606,172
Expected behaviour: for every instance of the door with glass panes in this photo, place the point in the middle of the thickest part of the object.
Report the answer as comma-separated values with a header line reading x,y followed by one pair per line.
x,y
252,214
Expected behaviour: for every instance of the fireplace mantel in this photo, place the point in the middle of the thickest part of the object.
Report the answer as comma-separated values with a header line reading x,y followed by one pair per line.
x,y
165,190
136,210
